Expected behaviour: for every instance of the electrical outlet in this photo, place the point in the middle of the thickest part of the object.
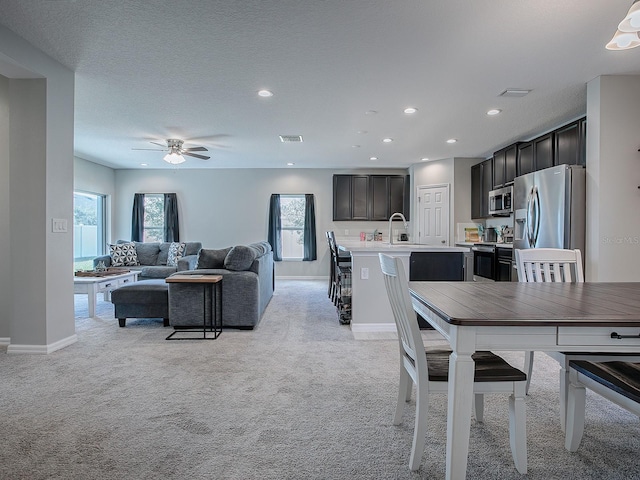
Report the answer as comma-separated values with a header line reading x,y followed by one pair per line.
x,y
364,273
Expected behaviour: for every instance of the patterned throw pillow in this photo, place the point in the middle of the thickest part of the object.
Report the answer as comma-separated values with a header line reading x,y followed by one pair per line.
x,y
176,250
123,254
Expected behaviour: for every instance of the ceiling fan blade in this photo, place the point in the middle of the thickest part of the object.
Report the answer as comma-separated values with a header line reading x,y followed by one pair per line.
x,y
160,144
153,149
195,149
196,155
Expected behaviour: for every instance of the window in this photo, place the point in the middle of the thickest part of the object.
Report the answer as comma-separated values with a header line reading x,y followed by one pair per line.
x,y
292,226
155,218
153,226
89,228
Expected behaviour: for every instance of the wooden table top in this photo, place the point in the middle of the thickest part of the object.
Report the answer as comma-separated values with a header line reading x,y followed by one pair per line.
x,y
194,279
531,304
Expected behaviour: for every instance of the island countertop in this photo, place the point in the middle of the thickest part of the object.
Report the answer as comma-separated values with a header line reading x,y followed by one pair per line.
x,y
399,247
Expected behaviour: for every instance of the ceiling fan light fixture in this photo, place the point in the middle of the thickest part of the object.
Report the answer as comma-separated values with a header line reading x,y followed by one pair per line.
x,y
173,158
623,41
631,22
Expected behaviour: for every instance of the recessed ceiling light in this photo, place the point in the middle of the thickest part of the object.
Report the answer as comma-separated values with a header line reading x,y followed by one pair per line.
x,y
355,146
373,158
494,111
291,164
362,132
424,159
452,140
144,164
265,93
387,140
370,112
410,110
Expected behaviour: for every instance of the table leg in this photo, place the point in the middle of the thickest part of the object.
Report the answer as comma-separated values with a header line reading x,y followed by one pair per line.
x,y
460,397
92,293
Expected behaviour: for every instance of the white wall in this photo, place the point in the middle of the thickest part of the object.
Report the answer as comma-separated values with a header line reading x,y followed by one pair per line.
x,y
225,207
93,178
453,171
5,232
40,276
613,177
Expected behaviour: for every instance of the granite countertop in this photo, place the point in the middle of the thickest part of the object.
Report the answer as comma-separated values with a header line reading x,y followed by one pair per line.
x,y
354,245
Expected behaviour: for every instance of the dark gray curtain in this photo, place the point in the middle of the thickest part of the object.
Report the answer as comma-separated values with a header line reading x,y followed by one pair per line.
x,y
309,228
275,235
171,228
137,217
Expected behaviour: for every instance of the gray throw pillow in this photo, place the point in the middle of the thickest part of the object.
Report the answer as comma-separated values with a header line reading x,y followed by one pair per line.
x,y
240,258
209,258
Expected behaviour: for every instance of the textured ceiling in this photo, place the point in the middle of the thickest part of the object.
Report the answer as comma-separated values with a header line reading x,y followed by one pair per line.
x,y
152,70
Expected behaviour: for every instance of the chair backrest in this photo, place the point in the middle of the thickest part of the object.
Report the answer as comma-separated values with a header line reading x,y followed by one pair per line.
x,y
549,265
409,337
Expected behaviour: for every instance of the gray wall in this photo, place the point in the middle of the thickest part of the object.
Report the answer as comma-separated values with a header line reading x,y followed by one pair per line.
x,y
40,168
224,207
613,177
5,232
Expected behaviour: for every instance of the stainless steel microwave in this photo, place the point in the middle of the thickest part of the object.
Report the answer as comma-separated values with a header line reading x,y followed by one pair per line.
x,y
501,201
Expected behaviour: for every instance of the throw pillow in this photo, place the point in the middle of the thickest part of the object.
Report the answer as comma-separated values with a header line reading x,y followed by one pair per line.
x,y
240,258
176,251
123,254
208,258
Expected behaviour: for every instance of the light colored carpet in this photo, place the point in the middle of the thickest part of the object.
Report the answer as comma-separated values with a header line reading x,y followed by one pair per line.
x,y
297,398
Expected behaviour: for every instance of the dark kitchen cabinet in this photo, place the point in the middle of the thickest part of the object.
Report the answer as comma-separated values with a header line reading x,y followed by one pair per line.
x,y
360,197
543,151
504,166
481,185
369,197
569,144
504,264
524,161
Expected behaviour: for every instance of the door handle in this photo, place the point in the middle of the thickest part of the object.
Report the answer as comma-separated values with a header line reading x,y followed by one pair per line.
x,y
619,337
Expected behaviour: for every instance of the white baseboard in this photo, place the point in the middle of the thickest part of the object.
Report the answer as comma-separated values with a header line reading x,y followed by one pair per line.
x,y
373,327
5,340
325,278
42,349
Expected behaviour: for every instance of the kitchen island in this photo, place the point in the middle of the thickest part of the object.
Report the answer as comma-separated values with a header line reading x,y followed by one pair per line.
x,y
370,309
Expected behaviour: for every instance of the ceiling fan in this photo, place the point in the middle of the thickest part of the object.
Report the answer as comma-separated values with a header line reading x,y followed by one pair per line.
x,y
176,151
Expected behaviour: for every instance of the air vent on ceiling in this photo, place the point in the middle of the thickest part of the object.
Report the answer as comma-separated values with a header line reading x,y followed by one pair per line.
x,y
514,92
290,138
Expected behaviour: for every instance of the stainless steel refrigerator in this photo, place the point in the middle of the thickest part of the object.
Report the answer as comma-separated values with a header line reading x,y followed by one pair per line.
x,y
549,208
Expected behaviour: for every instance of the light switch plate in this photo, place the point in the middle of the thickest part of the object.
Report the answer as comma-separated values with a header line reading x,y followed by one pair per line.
x,y
59,225
364,273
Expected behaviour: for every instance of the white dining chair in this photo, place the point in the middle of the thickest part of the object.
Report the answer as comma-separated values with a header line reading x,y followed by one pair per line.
x,y
429,371
547,265
559,265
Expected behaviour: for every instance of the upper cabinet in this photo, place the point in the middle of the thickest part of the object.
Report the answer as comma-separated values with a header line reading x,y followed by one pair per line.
x,y
481,185
543,151
369,197
524,159
569,144
504,166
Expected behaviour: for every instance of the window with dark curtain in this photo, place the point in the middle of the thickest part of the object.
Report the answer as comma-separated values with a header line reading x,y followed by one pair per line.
x,y
275,234
292,227
166,218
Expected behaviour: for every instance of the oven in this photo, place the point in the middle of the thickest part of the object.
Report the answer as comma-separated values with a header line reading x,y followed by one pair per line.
x,y
484,262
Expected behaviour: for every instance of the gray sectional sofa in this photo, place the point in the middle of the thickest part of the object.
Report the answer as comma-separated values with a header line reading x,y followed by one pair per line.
x,y
152,259
247,286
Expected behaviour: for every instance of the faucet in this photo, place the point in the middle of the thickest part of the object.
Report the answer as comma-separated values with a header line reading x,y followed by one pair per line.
x,y
404,221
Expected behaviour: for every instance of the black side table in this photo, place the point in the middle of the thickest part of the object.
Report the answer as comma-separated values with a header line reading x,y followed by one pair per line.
x,y
214,284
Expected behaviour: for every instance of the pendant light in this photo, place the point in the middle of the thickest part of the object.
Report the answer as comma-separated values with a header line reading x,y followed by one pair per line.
x,y
627,35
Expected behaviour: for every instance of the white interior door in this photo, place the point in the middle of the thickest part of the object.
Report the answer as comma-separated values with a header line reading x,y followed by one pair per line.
x,y
433,219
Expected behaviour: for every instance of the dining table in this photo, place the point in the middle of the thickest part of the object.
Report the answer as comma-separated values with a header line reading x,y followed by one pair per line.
x,y
514,316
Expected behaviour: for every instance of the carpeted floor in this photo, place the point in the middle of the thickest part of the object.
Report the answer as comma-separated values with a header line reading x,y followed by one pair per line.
x,y
297,398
